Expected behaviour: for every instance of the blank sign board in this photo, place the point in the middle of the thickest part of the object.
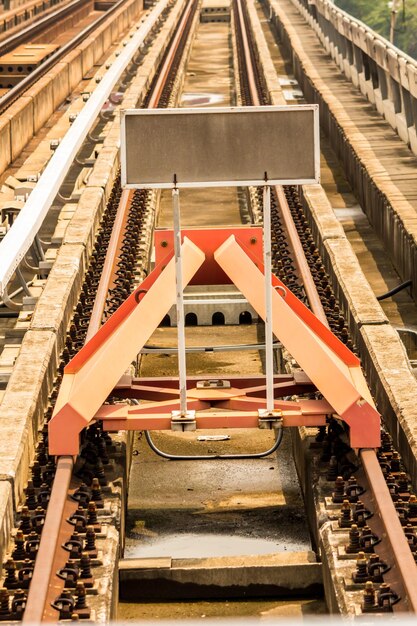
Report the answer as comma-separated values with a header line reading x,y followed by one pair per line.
x,y
219,146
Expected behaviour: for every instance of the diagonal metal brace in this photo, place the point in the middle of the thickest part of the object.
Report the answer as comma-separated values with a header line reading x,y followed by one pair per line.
x,y
90,377
340,380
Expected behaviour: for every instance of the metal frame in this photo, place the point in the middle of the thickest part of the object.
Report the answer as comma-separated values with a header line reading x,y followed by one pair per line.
x,y
227,110
19,238
93,374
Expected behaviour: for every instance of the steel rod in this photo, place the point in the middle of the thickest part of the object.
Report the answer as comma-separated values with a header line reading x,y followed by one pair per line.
x,y
269,351
149,349
182,365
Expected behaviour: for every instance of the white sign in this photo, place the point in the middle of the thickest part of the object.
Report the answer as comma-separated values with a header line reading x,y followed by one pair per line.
x,y
220,147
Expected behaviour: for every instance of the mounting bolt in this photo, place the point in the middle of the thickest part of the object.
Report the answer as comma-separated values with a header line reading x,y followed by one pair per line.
x,y
361,573
368,597
354,540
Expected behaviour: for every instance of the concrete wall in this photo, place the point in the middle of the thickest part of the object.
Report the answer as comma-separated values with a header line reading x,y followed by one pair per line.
x,y
213,312
18,11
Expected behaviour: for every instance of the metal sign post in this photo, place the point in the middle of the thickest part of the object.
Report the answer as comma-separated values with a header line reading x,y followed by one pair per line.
x,y
269,354
182,367
195,148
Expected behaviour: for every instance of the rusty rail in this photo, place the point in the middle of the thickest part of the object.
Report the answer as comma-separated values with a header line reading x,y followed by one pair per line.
x,y
247,56
406,568
41,587
108,273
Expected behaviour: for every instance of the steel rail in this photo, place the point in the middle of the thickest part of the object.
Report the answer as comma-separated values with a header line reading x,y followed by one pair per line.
x,y
162,77
40,583
300,260
50,555
27,33
256,101
405,565
19,238
110,263
399,548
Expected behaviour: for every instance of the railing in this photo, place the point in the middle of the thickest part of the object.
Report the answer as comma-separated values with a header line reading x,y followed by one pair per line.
x,y
384,74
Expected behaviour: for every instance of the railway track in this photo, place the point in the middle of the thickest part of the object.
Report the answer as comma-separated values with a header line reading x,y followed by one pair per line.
x,y
386,518
111,286
110,278
48,61
28,33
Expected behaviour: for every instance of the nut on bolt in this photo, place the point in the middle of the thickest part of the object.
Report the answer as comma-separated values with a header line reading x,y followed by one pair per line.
x,y
269,419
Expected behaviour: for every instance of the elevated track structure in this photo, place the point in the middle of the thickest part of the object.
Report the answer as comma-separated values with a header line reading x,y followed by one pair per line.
x,y
67,503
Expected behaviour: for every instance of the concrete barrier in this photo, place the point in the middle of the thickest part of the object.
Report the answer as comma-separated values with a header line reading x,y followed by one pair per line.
x,y
43,101
20,115
18,14
5,144
23,407
221,577
84,223
64,285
